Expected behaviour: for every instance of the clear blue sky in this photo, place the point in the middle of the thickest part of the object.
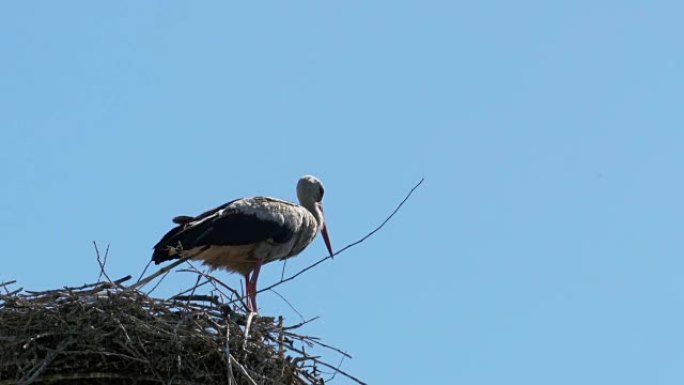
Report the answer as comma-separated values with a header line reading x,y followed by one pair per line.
x,y
545,246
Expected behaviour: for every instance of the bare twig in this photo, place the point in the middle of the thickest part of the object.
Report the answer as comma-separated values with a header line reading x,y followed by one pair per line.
x,y
5,284
214,282
322,363
289,304
161,271
122,280
102,262
336,370
281,350
301,323
145,270
317,342
182,293
282,272
243,370
231,379
156,285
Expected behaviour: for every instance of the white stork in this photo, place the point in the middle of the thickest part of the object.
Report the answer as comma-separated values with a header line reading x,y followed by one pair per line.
x,y
246,233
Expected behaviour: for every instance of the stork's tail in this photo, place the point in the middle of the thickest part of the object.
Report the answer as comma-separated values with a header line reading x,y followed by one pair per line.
x,y
163,253
169,247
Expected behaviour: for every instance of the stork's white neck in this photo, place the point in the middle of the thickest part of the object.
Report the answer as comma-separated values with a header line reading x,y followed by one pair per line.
x,y
313,209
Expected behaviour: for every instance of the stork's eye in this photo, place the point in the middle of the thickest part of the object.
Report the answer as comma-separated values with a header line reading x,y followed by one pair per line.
x,y
321,191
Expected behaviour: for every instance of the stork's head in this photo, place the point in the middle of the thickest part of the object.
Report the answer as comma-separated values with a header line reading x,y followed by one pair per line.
x,y
310,194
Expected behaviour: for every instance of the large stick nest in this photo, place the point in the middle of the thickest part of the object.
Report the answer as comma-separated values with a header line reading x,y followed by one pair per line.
x,y
104,333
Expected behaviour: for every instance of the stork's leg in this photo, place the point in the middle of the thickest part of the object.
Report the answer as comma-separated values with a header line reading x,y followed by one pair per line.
x,y
253,284
248,292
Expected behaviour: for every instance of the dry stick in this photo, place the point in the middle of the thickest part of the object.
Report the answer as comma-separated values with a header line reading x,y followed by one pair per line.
x,y
242,369
5,284
161,271
104,260
316,360
96,288
194,288
349,245
156,285
182,293
121,280
335,372
102,264
301,323
76,288
289,304
106,285
310,341
231,379
145,270
317,342
198,298
281,351
282,272
213,280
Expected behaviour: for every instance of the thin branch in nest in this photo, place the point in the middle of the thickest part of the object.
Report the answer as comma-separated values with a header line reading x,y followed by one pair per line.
x,y
156,285
336,370
322,363
289,304
7,291
144,270
214,282
301,323
161,271
182,293
242,370
282,272
229,374
192,293
102,262
316,341
281,350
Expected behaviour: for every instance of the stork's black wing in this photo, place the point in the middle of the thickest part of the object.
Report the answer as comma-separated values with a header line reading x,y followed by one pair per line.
x,y
225,225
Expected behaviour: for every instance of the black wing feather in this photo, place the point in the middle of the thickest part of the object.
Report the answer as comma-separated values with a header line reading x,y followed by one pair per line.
x,y
230,228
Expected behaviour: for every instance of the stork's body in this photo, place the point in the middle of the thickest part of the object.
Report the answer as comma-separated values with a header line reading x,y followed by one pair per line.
x,y
243,234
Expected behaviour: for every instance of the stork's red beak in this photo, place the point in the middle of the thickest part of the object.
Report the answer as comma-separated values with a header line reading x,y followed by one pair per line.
x,y
324,232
